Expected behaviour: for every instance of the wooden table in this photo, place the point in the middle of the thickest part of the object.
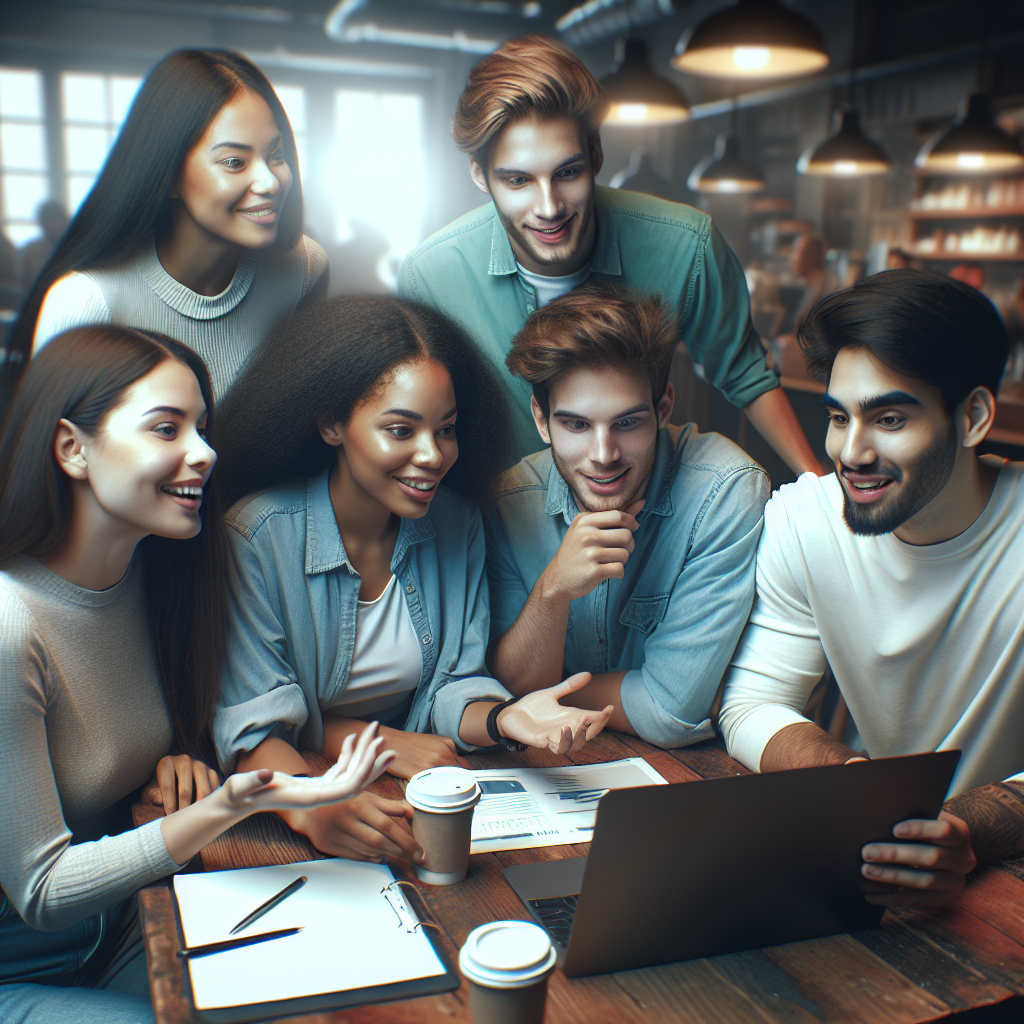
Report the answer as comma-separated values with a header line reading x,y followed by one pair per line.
x,y
918,966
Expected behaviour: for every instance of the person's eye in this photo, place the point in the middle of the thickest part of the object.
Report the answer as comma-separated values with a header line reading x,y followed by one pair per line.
x,y
233,163
447,430
569,172
401,432
891,421
628,423
516,182
277,157
574,424
167,430
837,419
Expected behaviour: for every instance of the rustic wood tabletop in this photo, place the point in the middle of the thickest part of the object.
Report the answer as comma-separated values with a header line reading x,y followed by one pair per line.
x,y
919,965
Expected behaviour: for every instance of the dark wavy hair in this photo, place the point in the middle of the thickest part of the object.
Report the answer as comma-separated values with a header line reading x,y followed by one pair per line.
x,y
920,323
328,358
130,199
80,376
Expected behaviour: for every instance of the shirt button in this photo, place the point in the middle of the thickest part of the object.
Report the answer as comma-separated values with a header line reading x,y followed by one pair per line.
x,y
410,589
426,638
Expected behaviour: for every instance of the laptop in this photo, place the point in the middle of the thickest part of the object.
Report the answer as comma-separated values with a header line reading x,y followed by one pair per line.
x,y
698,869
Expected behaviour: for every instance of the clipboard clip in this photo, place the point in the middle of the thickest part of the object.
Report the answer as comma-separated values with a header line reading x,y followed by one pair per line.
x,y
406,917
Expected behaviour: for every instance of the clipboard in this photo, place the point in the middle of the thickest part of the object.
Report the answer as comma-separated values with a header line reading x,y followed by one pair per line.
x,y
362,885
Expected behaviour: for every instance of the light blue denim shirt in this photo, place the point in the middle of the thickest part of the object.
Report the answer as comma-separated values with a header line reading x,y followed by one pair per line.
x,y
292,628
672,623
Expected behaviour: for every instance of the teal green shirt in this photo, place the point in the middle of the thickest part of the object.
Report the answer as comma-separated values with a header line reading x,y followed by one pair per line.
x,y
468,271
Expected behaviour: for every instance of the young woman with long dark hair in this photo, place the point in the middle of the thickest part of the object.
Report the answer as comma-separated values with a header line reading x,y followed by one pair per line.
x,y
111,630
194,226
360,587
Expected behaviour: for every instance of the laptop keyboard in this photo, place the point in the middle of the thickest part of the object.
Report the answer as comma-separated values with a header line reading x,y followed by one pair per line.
x,y
556,915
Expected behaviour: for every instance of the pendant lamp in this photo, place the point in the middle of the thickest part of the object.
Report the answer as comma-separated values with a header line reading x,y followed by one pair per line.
x,y
752,39
974,143
846,153
638,95
726,171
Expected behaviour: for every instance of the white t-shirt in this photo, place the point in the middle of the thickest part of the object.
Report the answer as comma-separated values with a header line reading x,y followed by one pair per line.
x,y
926,642
387,662
550,288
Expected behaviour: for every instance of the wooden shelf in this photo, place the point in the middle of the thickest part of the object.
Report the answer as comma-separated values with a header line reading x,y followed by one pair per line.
x,y
967,257
963,213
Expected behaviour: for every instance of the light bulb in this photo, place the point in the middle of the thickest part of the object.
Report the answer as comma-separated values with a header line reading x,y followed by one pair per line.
x,y
845,167
970,160
632,111
750,57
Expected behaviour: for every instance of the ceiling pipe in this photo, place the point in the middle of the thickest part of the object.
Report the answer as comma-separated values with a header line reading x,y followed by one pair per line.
x,y
595,20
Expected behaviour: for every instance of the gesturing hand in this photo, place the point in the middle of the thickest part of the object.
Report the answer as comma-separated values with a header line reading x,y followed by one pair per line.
x,y
178,781
538,720
359,764
418,751
596,547
930,871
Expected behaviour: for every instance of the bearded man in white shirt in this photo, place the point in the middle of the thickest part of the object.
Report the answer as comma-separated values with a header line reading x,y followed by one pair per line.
x,y
905,570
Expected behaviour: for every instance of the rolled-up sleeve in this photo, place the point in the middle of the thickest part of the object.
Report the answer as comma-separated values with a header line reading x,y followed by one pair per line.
x,y
668,699
461,675
779,658
259,691
717,329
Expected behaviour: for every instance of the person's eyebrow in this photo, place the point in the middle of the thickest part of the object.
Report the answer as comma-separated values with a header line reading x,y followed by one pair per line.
x,y
889,398
576,157
832,403
168,408
232,145
407,413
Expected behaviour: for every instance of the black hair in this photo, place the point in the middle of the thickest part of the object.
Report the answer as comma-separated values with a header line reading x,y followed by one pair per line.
x,y
329,357
917,322
130,200
80,376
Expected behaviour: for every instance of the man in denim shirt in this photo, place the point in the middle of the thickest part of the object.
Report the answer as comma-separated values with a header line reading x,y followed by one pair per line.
x,y
529,120
628,548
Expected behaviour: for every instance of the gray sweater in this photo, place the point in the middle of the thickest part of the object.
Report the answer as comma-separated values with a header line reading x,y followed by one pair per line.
x,y
224,329
83,721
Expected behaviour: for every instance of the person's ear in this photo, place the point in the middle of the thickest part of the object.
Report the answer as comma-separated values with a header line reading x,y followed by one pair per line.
x,y
69,450
479,175
596,154
331,431
666,404
540,420
977,413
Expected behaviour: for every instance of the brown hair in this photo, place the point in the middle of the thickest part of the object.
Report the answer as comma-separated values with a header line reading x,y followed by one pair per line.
x,y
529,75
596,324
81,375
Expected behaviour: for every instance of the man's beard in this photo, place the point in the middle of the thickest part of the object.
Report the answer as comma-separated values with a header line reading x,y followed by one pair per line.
x,y
928,476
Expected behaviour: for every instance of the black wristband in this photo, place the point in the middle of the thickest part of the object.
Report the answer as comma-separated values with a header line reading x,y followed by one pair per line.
x,y
513,746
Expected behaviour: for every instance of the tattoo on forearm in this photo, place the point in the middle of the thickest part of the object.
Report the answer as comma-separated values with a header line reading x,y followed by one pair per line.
x,y
995,816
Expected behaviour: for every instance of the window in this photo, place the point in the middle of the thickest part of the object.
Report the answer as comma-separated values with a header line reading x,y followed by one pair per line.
x,y
23,163
376,172
94,108
293,99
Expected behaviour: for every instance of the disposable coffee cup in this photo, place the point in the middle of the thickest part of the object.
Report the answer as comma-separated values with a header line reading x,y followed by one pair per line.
x,y
442,822
508,964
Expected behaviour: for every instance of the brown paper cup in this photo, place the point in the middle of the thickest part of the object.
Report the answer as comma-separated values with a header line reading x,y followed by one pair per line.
x,y
445,839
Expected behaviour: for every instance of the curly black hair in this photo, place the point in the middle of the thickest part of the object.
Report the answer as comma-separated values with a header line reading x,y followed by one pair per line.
x,y
328,358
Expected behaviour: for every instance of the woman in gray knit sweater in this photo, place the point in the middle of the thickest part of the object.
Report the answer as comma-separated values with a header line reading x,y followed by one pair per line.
x,y
111,627
194,227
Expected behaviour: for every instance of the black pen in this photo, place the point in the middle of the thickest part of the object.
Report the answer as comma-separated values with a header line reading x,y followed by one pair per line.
x,y
246,940
269,905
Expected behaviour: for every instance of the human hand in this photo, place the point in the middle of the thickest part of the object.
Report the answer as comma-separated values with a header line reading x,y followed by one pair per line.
x,y
596,547
367,827
418,751
358,764
538,720
178,781
928,872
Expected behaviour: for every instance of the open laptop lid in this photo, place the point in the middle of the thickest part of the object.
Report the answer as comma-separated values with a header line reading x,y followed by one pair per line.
x,y
698,869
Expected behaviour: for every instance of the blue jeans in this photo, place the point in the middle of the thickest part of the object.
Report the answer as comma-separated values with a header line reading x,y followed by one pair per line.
x,y
44,976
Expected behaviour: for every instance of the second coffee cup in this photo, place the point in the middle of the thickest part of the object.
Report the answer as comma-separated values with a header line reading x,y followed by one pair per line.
x,y
443,800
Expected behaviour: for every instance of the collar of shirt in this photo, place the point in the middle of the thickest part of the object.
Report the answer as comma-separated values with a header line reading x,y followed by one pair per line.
x,y
659,487
605,259
324,547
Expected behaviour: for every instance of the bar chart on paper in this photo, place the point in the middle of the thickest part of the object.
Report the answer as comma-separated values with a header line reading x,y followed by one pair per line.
x,y
523,808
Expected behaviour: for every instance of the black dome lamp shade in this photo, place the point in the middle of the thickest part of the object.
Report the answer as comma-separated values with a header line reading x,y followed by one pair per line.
x,y
752,39
639,96
974,143
847,152
726,171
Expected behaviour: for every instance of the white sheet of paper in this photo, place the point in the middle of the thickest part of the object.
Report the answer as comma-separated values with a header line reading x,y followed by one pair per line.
x,y
352,936
524,808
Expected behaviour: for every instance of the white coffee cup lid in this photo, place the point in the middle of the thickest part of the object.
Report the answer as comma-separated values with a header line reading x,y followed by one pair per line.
x,y
443,790
507,954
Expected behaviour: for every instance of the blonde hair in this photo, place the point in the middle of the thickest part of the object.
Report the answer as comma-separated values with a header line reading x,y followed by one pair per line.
x,y
532,75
